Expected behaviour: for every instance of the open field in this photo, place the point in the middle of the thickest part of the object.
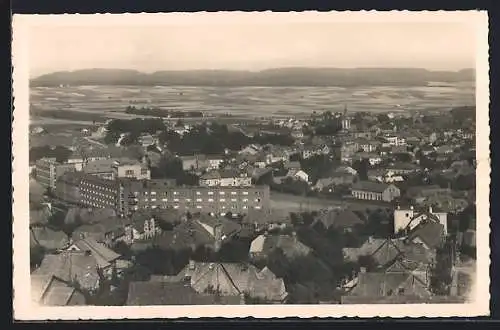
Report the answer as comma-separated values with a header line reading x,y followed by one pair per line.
x,y
244,102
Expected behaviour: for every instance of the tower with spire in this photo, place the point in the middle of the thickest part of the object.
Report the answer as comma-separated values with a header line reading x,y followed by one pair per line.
x,y
345,121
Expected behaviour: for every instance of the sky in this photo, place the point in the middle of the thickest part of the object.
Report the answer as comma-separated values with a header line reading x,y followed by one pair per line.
x,y
248,45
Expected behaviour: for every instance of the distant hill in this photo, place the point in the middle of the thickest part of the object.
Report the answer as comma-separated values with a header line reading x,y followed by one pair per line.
x,y
271,77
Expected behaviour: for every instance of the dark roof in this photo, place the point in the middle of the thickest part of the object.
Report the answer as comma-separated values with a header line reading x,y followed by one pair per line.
x,y
99,251
370,186
340,218
164,293
185,235
48,238
51,291
429,232
70,266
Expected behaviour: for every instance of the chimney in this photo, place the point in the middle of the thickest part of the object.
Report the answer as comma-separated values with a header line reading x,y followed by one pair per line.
x,y
362,270
370,239
430,209
191,265
411,207
242,299
294,235
398,207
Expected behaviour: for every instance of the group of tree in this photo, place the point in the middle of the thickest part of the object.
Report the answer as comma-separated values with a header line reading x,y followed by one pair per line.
x,y
133,128
60,153
162,113
318,166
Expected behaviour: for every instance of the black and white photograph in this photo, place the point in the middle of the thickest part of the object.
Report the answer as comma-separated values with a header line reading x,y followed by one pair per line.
x,y
326,160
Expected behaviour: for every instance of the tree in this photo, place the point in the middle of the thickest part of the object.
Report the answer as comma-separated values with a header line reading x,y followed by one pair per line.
x,y
362,166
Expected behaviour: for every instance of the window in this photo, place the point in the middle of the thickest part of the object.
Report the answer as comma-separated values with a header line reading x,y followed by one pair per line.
x,y
188,199
233,199
129,172
245,199
175,193
198,206
222,193
153,193
199,200
176,199
198,193
210,199
407,215
401,291
210,192
222,200
233,192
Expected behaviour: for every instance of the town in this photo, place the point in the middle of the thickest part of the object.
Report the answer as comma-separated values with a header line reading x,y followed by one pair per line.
x,y
333,207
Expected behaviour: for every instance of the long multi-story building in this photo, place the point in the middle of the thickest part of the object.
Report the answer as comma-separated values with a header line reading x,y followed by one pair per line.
x,y
215,200
47,171
129,195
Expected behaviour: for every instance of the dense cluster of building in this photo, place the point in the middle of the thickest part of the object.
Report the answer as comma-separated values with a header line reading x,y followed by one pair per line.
x,y
123,203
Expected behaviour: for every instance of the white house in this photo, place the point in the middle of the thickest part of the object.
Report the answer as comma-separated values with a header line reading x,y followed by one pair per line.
x,y
408,219
298,174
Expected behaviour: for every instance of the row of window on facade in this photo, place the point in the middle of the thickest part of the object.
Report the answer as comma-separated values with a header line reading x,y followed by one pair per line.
x,y
363,195
222,200
199,207
222,193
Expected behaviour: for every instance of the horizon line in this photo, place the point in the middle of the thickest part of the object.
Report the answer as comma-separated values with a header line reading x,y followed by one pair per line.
x,y
253,71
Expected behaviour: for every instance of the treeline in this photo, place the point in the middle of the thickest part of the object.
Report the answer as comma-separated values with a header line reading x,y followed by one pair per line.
x,y
206,139
160,113
60,153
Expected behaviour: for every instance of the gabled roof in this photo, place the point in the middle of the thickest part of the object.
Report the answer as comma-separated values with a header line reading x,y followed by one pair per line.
x,y
71,266
235,279
370,186
291,246
48,238
185,235
429,232
103,256
340,218
51,291
229,227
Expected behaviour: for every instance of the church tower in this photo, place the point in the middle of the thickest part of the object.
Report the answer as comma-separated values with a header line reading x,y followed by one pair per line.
x,y
346,121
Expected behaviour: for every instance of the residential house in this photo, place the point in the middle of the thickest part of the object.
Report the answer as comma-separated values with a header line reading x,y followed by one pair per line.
x,y
375,191
264,244
367,145
340,218
346,169
395,140
429,234
201,231
251,149
146,140
106,261
76,269
445,150
48,238
163,293
403,168
408,219
298,175
400,283
107,231
234,279
335,179
131,169
385,176
142,226
427,150
373,158
420,193
225,178
48,290
293,165
385,252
